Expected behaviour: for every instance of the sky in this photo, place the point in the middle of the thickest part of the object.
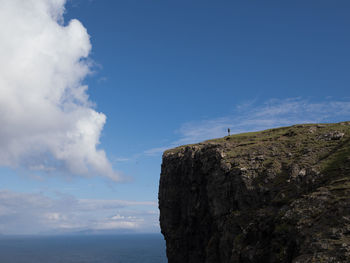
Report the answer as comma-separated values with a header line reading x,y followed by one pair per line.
x,y
93,91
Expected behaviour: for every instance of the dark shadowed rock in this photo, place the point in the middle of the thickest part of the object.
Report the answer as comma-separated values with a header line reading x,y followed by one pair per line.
x,y
280,195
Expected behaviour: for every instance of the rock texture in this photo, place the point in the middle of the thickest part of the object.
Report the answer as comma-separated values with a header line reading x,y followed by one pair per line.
x,y
280,195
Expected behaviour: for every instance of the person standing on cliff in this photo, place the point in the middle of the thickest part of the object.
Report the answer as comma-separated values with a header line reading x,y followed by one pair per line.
x,y
228,131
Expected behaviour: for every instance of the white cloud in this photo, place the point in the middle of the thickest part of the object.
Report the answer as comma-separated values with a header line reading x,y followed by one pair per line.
x,y
155,151
116,225
47,120
25,213
253,117
270,114
117,217
94,204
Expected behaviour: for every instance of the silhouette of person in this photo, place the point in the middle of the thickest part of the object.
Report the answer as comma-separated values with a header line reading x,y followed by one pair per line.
x,y
228,131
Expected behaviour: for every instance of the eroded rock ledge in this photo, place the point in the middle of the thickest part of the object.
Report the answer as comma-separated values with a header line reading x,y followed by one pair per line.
x,y
280,195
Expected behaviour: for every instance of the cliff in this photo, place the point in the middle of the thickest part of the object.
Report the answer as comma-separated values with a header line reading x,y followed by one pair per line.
x,y
280,195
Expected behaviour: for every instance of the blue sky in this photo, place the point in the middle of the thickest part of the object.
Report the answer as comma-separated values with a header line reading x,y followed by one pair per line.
x,y
159,74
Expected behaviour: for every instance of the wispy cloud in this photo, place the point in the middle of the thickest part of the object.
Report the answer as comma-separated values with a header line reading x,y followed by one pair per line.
x,y
155,151
36,213
254,116
121,159
272,113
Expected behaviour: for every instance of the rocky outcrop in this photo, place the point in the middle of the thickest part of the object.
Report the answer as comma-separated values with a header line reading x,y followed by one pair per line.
x,y
280,195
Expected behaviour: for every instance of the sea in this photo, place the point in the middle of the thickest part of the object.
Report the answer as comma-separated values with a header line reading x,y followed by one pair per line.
x,y
136,248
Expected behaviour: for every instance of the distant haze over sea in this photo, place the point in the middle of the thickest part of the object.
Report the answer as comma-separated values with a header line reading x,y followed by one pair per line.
x,y
146,248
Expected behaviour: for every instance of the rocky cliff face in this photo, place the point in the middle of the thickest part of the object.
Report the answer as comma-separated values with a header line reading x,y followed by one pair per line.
x,y
280,195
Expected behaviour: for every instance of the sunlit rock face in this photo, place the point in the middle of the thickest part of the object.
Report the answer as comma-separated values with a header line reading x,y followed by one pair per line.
x,y
280,195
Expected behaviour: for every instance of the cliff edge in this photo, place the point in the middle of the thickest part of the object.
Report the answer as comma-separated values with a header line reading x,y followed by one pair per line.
x,y
280,195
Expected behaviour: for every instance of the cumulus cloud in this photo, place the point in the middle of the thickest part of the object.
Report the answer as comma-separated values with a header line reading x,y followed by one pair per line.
x,y
47,120
28,213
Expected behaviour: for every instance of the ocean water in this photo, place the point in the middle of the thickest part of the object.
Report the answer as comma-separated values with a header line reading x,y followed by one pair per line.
x,y
148,248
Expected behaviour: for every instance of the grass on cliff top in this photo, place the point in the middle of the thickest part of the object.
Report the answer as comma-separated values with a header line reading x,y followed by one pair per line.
x,y
296,141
